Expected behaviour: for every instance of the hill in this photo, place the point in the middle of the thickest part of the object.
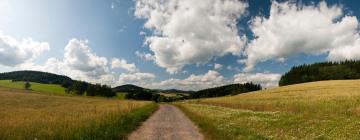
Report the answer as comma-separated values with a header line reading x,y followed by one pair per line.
x,y
35,76
321,71
314,110
130,88
71,86
231,89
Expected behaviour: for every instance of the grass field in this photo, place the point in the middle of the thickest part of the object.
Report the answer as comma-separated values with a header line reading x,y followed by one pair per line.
x,y
120,95
317,110
43,88
26,115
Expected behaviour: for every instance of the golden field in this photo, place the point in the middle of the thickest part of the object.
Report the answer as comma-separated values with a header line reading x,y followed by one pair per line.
x,y
317,110
27,115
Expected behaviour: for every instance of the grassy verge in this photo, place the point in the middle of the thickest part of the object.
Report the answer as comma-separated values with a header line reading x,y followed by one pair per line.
x,y
25,115
217,127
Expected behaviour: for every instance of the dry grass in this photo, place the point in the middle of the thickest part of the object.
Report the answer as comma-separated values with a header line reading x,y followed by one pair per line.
x,y
28,115
318,110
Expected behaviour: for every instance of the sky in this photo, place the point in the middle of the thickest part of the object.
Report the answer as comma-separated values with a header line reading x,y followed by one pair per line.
x,y
183,44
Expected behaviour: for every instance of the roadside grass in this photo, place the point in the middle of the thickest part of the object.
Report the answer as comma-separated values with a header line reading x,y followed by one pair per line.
x,y
39,116
317,110
38,87
216,129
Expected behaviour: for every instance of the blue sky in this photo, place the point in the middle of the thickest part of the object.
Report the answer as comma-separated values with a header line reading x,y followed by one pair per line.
x,y
105,38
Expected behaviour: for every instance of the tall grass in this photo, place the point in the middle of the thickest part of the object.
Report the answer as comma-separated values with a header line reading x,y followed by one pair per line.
x,y
318,110
25,115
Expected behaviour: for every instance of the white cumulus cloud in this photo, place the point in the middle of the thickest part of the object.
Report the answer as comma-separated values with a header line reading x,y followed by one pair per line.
x,y
294,29
123,64
78,56
264,79
191,32
79,63
14,52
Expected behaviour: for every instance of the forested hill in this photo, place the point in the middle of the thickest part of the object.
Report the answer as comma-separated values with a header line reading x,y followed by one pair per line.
x,y
71,86
35,76
321,71
232,89
130,88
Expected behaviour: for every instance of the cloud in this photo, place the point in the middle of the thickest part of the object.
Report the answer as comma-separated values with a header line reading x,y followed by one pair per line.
x,y
78,56
209,31
294,29
217,66
122,63
193,82
346,52
79,63
145,56
14,52
141,79
265,79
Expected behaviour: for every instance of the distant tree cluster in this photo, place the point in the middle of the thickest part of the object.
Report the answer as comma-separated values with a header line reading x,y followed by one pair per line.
x,y
156,97
84,88
232,89
99,90
140,95
321,71
71,86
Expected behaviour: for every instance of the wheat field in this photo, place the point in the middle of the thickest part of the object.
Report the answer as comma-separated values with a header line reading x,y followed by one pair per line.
x,y
317,110
27,115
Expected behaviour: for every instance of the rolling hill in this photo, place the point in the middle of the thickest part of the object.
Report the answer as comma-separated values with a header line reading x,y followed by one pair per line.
x,y
130,88
315,110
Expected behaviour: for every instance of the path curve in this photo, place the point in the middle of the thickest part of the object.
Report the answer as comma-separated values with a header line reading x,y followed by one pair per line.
x,y
167,123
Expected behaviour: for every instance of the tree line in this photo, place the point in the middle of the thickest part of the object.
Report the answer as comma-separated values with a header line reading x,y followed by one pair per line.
x,y
232,89
349,69
151,95
139,93
133,92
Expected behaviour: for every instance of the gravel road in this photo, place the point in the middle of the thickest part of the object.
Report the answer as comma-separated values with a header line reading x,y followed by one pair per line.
x,y
167,123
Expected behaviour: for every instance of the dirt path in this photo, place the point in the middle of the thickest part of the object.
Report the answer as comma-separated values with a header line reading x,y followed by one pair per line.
x,y
167,123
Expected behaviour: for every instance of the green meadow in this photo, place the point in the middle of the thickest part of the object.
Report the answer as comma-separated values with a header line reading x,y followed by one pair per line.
x,y
37,87
316,110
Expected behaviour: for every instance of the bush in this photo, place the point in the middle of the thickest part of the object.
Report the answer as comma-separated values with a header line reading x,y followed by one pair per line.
x,y
27,86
